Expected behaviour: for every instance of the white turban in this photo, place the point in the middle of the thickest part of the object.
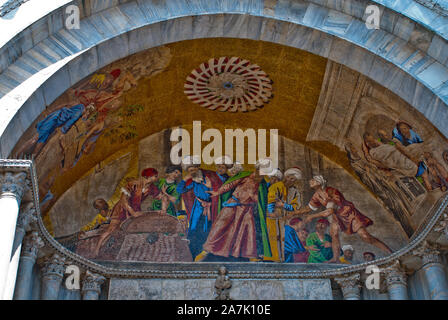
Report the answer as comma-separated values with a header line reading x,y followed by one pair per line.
x,y
265,166
237,167
276,173
224,160
294,171
321,180
347,247
190,161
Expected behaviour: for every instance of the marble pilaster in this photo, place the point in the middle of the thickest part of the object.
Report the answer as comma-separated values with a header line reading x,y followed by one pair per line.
x,y
434,271
91,286
13,185
53,270
30,247
396,280
350,286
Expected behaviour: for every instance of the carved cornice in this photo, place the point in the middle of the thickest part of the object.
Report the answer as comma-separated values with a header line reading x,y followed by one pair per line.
x,y
92,282
31,245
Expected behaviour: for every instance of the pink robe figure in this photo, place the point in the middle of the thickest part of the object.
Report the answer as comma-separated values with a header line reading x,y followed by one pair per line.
x,y
233,233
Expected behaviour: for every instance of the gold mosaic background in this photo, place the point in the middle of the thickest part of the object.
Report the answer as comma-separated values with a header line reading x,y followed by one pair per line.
x,y
297,77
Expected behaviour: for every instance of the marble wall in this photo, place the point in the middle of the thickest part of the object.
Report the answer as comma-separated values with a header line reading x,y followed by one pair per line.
x,y
203,289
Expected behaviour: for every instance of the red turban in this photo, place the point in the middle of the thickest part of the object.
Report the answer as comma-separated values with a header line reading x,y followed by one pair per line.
x,y
371,253
149,172
324,221
116,73
294,221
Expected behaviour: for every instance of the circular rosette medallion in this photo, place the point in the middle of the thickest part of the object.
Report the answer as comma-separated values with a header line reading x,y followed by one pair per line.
x,y
229,84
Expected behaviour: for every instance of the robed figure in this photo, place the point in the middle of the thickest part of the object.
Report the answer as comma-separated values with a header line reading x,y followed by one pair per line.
x,y
201,209
234,233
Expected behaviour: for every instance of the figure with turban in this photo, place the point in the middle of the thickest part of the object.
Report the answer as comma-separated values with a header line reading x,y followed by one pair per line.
x,y
343,215
276,192
347,256
129,205
283,196
201,209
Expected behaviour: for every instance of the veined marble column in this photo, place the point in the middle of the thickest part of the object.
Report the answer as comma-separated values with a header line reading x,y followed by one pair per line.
x,y
396,280
13,186
91,286
31,245
350,286
27,216
52,274
434,271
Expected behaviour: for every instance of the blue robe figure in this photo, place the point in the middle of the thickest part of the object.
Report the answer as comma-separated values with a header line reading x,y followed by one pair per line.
x,y
223,177
198,225
292,244
415,138
64,117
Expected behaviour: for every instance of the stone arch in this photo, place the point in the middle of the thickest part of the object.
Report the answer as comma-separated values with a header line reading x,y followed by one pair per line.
x,y
339,34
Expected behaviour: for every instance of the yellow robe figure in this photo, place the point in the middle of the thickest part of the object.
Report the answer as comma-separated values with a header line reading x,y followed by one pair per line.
x,y
291,197
277,191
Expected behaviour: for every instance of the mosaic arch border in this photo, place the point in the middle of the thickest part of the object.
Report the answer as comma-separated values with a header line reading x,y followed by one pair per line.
x,y
208,270
34,79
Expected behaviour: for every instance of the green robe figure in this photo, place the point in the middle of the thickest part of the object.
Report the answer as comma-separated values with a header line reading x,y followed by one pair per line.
x,y
323,252
170,183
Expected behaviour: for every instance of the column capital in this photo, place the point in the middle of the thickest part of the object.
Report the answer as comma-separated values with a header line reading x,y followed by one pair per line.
x,y
429,252
395,274
27,216
92,282
53,265
350,285
31,245
14,184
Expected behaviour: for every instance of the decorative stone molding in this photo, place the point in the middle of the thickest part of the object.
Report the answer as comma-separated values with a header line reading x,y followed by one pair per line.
x,y
229,84
350,286
92,282
435,5
223,285
14,183
429,252
27,217
10,5
31,245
